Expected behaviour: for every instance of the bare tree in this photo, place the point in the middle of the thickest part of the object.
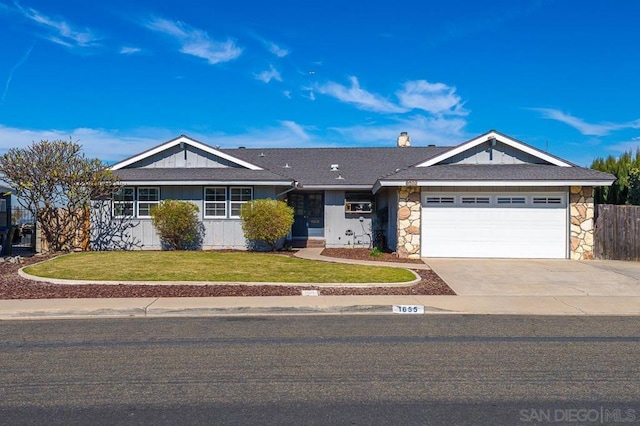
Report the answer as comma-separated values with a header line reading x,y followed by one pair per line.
x,y
56,183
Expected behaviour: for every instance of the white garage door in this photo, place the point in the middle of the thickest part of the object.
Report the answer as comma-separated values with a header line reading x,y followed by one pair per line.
x,y
494,225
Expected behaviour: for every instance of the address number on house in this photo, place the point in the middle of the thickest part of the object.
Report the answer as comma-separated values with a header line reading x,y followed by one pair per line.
x,y
408,309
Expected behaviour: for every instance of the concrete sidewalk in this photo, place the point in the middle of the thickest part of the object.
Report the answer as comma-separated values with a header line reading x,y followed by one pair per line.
x,y
293,305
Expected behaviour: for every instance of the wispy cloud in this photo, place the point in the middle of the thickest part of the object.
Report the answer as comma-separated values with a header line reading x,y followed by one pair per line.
x,y
115,145
272,47
195,42
22,60
296,129
423,130
288,134
589,129
280,52
58,30
435,98
108,145
361,98
632,145
128,50
268,75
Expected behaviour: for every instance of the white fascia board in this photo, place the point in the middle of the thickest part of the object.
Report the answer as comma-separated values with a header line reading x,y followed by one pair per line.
x,y
204,182
358,187
189,141
498,183
501,138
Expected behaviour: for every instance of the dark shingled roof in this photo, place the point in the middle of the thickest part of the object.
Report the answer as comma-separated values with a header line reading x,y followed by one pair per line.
x,y
361,167
198,174
357,166
447,172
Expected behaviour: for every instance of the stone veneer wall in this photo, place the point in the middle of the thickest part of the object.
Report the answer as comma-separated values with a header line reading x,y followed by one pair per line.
x,y
409,211
581,211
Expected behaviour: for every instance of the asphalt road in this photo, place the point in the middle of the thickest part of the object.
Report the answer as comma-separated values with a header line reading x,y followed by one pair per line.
x,y
354,370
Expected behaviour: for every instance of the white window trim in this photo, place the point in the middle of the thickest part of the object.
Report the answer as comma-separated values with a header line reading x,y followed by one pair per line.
x,y
239,203
138,202
115,202
224,203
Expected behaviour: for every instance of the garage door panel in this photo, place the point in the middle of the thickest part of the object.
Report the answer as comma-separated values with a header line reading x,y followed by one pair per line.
x,y
495,231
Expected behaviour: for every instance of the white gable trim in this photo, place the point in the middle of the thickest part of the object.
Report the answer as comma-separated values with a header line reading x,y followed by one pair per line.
x,y
189,141
559,182
501,138
205,182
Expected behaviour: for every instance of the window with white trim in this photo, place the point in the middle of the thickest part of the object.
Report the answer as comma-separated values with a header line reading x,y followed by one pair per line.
x,y
147,198
237,197
123,202
215,202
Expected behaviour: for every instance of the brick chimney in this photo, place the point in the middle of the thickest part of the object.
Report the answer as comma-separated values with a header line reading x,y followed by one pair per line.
x,y
404,140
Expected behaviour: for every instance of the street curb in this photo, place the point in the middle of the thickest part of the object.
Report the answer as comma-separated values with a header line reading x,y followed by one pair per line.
x,y
208,312
344,310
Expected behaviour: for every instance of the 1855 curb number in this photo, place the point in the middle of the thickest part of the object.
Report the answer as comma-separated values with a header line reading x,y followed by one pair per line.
x,y
408,309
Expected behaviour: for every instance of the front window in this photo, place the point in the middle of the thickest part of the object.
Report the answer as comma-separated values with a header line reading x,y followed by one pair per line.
x,y
238,196
123,202
358,202
215,202
147,198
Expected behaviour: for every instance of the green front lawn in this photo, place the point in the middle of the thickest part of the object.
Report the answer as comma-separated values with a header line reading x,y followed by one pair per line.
x,y
209,266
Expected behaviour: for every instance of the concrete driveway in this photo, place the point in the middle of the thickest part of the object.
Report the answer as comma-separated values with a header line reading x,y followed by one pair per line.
x,y
537,277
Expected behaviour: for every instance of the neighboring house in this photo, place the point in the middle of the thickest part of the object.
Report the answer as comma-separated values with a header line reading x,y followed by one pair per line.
x,y
491,196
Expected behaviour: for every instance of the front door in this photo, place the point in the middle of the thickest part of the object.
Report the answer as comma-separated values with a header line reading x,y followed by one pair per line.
x,y
308,214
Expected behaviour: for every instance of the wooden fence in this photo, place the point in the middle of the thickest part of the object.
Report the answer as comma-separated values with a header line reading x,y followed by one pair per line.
x,y
617,232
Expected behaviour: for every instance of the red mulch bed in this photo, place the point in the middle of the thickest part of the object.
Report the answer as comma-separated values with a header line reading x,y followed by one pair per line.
x,y
365,254
12,286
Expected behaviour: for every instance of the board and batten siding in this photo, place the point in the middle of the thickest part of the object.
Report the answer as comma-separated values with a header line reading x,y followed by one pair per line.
x,y
218,233
499,154
176,157
337,222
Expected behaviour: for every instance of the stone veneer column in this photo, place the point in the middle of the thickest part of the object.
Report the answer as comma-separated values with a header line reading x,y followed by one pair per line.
x,y
581,210
408,225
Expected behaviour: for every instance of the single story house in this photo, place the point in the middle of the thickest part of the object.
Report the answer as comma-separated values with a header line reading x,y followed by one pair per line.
x,y
491,196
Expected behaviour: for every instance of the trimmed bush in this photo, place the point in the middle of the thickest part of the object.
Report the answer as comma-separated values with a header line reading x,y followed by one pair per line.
x,y
266,221
177,224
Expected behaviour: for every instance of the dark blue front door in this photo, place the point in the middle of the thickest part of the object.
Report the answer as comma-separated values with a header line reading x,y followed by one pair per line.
x,y
308,214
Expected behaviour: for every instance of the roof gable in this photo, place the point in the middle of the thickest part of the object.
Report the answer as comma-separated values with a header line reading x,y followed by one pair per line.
x,y
187,141
493,138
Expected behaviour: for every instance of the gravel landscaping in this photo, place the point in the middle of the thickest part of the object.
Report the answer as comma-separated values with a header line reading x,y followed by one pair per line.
x,y
12,286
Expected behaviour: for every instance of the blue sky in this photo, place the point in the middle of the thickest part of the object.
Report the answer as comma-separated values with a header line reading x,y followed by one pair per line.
x,y
123,76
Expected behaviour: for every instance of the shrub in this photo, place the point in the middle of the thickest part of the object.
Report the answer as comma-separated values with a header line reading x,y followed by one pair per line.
x,y
375,252
266,220
177,224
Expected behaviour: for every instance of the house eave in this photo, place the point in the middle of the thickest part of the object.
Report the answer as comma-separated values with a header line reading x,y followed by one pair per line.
x,y
397,183
335,187
178,141
502,138
205,182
